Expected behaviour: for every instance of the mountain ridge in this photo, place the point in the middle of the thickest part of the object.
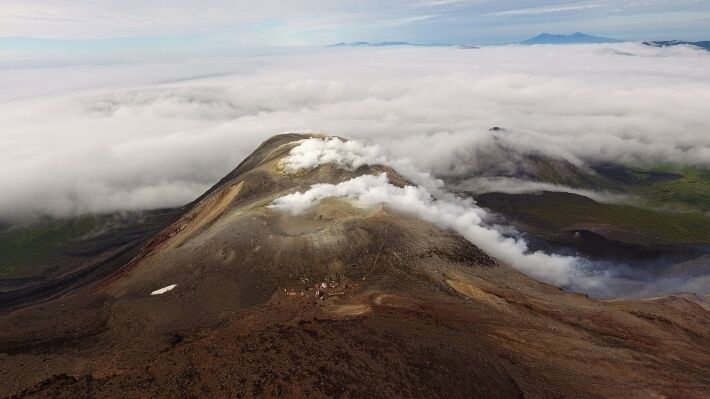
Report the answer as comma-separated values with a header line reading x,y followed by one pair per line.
x,y
237,297
704,44
574,38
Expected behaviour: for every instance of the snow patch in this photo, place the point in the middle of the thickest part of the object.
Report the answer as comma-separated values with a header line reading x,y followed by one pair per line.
x,y
163,290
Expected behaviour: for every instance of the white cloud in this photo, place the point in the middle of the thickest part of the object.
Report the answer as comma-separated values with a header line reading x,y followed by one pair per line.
x,y
105,137
550,10
512,185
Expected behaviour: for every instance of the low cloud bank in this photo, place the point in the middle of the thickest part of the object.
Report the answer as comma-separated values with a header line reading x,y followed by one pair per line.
x,y
78,139
511,185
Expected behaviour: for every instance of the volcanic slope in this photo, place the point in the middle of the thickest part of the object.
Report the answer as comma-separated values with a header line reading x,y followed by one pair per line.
x,y
239,299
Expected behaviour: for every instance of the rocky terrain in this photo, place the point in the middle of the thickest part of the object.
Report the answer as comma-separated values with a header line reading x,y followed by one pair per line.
x,y
236,298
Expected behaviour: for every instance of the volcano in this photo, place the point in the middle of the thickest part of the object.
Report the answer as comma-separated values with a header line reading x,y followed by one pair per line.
x,y
263,287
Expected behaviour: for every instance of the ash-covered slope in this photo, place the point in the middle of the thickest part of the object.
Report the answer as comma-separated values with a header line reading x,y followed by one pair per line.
x,y
300,280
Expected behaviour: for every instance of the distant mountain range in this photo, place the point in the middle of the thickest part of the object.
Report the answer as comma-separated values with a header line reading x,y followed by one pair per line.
x,y
543,38
668,43
575,38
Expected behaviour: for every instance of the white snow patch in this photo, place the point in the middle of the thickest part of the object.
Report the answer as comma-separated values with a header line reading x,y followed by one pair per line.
x,y
163,290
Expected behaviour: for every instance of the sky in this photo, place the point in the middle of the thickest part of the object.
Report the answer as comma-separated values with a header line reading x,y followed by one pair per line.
x,y
139,25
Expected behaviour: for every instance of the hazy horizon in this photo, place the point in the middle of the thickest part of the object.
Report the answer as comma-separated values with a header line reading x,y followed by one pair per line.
x,y
215,27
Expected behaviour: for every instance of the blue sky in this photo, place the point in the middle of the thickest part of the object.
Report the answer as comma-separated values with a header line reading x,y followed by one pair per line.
x,y
39,25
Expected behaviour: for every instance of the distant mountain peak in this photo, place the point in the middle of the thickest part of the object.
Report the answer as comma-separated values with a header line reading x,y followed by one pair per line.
x,y
670,43
574,38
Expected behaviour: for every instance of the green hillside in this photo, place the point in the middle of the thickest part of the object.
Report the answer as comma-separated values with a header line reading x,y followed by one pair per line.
x,y
30,248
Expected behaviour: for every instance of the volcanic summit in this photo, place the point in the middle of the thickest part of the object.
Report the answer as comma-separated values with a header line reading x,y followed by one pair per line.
x,y
294,277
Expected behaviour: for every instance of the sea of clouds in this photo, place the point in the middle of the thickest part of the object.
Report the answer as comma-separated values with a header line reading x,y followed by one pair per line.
x,y
80,138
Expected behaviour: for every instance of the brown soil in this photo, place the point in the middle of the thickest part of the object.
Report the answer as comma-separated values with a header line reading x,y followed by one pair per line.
x,y
339,302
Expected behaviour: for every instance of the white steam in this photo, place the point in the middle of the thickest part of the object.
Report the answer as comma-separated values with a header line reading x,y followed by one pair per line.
x,y
348,155
439,208
368,190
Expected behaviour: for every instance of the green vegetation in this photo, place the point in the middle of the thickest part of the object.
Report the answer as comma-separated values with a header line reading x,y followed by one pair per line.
x,y
567,210
681,189
690,192
33,248
25,248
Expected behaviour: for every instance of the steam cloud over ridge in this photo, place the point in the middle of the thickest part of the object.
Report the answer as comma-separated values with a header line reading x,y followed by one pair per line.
x,y
437,207
428,200
147,135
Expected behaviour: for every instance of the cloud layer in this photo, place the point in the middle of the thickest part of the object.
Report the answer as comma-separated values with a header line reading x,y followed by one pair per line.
x,y
134,136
